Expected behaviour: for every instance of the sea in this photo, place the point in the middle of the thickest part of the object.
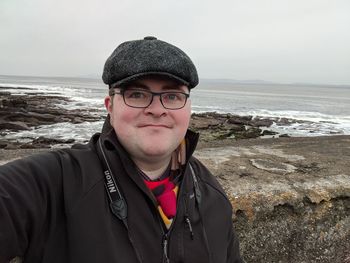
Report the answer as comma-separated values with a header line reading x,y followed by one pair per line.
x,y
320,110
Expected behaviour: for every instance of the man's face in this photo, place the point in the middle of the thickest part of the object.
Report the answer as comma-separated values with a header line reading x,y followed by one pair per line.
x,y
152,133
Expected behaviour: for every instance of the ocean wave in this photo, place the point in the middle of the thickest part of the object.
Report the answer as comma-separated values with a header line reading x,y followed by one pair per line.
x,y
18,89
79,132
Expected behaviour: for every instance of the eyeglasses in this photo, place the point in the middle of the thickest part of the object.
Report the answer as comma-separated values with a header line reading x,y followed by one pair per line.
x,y
138,98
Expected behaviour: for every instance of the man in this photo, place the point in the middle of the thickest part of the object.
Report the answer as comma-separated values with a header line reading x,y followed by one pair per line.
x,y
134,193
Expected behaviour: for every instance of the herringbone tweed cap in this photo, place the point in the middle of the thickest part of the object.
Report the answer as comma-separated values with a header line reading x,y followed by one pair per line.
x,y
149,56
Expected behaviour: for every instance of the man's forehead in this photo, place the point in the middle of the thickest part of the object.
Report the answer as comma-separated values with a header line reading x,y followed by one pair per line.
x,y
163,82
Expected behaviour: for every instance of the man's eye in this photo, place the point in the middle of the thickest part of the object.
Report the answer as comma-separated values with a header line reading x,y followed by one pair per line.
x,y
136,95
173,96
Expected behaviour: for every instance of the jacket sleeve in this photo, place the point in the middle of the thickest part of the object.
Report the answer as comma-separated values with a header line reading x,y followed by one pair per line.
x,y
29,193
233,254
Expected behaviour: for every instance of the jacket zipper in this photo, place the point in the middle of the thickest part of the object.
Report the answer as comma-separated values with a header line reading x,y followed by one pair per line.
x,y
165,241
187,218
165,249
188,222
166,236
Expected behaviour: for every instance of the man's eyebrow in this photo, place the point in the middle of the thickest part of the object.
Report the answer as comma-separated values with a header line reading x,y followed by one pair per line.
x,y
165,87
138,85
171,87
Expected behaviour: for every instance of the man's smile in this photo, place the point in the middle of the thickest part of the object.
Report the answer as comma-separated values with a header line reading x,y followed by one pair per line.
x,y
151,125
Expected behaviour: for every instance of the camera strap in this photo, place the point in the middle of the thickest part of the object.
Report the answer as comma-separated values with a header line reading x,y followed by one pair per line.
x,y
117,202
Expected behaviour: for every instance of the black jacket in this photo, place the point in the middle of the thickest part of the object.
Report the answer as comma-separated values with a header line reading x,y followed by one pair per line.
x,y
54,208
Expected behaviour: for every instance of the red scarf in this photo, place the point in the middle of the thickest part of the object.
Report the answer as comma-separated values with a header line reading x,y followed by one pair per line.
x,y
165,190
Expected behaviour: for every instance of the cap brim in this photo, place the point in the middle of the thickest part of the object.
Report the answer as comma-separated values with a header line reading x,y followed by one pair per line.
x,y
132,78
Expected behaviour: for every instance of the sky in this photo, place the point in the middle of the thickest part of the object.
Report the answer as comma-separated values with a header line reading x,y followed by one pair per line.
x,y
287,41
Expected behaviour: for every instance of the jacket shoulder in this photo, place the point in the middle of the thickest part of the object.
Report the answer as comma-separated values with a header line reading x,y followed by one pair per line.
x,y
206,177
82,173
40,164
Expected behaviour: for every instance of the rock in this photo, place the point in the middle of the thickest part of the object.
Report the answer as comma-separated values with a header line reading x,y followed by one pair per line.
x,y
257,122
268,132
284,136
287,208
49,141
223,134
77,120
34,146
212,118
14,126
233,127
335,133
213,126
201,122
15,102
12,146
285,121
273,166
249,133
5,93
19,112
38,143
245,120
2,145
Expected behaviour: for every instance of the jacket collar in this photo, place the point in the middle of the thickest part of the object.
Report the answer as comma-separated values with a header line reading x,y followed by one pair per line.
x,y
114,149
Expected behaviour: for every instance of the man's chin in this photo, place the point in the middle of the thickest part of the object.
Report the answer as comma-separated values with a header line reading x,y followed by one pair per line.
x,y
155,153
155,150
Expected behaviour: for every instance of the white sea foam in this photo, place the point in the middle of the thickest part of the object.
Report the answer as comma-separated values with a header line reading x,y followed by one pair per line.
x,y
84,103
79,132
308,123
80,97
20,89
15,86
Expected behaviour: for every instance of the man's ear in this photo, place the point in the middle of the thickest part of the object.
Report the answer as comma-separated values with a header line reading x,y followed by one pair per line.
x,y
109,103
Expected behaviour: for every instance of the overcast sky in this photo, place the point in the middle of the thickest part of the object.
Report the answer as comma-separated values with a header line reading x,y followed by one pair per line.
x,y
274,40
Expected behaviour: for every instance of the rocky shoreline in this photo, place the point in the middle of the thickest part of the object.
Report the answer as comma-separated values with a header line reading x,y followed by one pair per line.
x,y
29,111
215,126
32,110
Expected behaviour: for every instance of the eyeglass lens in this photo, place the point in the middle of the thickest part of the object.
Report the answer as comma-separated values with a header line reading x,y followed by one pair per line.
x,y
143,98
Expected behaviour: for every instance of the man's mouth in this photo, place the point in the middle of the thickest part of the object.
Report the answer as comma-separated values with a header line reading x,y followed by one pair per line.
x,y
154,125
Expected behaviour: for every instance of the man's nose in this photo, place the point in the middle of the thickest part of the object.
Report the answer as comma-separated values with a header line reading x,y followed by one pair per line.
x,y
156,106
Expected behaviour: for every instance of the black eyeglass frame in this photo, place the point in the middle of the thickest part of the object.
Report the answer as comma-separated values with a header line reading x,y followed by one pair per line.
x,y
122,91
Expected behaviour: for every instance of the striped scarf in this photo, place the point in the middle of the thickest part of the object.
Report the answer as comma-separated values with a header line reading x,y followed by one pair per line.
x,y
166,188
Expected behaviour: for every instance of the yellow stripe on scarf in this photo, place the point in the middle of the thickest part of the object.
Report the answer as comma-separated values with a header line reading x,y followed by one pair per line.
x,y
165,219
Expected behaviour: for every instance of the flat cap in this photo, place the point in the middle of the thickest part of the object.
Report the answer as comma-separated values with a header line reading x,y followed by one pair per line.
x,y
149,56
